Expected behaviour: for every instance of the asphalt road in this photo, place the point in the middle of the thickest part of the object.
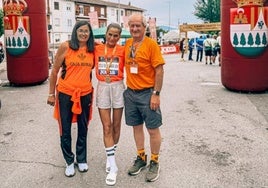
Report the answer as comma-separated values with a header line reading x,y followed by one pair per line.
x,y
212,137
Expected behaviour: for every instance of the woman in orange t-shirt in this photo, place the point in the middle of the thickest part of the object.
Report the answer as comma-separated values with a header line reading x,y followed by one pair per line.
x,y
109,59
73,89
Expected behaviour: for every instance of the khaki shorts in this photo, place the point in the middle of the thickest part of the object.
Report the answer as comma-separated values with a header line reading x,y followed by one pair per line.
x,y
110,95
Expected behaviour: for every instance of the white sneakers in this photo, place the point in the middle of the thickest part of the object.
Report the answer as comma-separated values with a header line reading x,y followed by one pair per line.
x,y
70,171
82,167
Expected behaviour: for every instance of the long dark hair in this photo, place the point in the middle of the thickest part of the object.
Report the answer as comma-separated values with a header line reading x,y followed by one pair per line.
x,y
74,43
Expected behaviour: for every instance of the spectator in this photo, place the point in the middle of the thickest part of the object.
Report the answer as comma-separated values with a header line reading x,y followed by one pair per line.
x,y
200,48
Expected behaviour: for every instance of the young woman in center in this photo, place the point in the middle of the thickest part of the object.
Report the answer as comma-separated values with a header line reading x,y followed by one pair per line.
x,y
109,59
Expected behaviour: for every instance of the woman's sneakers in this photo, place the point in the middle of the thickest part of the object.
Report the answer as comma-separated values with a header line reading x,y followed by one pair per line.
x,y
82,167
69,171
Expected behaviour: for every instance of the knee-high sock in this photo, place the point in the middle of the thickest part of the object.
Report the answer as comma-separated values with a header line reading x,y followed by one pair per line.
x,y
111,158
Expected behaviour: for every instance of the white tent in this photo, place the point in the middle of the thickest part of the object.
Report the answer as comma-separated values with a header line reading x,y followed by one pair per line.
x,y
175,35
190,34
172,35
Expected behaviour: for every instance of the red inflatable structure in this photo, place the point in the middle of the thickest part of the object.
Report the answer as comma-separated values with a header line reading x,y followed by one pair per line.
x,y
26,41
244,58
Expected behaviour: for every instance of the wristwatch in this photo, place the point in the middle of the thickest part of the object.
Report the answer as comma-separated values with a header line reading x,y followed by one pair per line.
x,y
156,92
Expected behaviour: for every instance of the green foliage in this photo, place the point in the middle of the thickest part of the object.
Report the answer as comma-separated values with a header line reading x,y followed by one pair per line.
x,y
258,39
208,10
243,39
1,22
264,39
235,40
250,39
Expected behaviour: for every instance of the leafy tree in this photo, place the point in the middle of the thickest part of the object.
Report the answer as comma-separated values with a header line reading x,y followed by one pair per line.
x,y
19,42
14,42
208,10
235,40
25,42
258,39
1,22
264,39
243,39
250,39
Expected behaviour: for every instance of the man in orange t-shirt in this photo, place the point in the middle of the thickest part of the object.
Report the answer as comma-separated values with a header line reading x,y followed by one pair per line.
x,y
144,70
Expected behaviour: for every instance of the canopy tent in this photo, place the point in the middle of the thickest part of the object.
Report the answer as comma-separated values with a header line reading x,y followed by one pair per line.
x,y
172,35
190,34
100,33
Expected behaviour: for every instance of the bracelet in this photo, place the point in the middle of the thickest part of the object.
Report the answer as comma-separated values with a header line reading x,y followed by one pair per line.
x,y
51,95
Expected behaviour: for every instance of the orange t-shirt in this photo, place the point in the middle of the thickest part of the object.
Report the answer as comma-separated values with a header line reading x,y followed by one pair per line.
x,y
147,57
79,65
116,62
77,79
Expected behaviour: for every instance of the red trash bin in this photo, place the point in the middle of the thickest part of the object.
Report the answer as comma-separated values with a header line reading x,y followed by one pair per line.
x,y
26,41
244,56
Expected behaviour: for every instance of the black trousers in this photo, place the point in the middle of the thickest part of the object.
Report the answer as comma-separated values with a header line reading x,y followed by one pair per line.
x,y
65,107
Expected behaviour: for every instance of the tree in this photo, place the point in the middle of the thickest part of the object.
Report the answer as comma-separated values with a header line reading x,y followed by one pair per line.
x,y
258,39
1,22
250,39
208,10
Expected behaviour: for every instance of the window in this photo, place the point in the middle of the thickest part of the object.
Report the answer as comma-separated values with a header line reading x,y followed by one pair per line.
x,y
81,10
112,12
57,22
68,7
92,9
122,13
69,23
57,37
102,12
56,6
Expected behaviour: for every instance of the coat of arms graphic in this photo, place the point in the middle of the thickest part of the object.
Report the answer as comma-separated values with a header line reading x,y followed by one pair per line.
x,y
248,27
16,26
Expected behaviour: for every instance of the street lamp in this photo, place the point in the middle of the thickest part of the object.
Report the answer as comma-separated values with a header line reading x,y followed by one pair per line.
x,y
168,15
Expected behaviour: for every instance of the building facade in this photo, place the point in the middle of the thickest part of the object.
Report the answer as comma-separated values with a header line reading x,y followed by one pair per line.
x,y
62,15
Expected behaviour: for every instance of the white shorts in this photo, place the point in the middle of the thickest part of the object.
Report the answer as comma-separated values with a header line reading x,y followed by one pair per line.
x,y
110,95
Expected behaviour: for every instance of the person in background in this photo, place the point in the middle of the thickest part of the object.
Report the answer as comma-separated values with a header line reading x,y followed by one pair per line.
x,y
71,93
144,79
214,44
182,48
208,49
200,48
109,60
191,47
219,47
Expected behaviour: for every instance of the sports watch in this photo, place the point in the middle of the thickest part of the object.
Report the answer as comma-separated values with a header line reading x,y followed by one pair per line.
x,y
156,92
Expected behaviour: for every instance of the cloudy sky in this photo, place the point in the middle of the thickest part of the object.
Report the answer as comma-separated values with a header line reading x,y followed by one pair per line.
x,y
167,11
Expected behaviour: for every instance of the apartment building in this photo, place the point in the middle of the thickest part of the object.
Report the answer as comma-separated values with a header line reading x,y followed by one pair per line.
x,y
62,15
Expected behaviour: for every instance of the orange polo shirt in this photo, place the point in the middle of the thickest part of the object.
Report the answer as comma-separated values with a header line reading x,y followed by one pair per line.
x,y
147,57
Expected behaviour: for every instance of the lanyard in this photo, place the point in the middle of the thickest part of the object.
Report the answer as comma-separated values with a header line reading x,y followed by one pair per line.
x,y
134,48
108,64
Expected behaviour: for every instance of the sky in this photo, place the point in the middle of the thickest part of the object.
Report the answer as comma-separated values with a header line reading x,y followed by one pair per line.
x,y
166,12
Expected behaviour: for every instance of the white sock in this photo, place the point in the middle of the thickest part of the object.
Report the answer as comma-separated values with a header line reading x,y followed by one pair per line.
x,y
111,158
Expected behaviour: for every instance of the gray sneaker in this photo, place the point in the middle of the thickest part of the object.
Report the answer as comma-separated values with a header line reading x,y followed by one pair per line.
x,y
153,172
138,165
